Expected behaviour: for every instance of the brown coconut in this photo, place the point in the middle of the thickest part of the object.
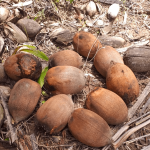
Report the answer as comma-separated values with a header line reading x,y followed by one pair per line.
x,y
65,58
53,115
86,43
89,128
23,66
30,27
121,80
103,59
64,80
23,99
107,104
137,58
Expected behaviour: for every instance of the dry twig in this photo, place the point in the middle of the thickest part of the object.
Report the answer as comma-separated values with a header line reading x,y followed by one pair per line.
x,y
128,133
139,101
13,135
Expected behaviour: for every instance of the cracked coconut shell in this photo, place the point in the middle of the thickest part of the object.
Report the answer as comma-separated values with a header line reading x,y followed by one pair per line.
x,y
53,115
103,58
23,66
65,58
64,80
85,42
121,80
107,104
89,128
23,99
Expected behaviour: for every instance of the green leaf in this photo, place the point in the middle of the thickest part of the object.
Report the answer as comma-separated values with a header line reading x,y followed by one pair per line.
x,y
30,47
16,49
43,102
44,93
7,139
36,53
71,1
35,18
42,76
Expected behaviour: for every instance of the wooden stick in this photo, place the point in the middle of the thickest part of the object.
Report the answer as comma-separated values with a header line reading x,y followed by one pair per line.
x,y
132,111
122,50
136,139
13,135
33,140
127,125
147,104
146,148
128,133
139,101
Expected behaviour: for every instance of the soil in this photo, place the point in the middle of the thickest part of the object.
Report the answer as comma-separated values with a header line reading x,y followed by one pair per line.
x,y
52,15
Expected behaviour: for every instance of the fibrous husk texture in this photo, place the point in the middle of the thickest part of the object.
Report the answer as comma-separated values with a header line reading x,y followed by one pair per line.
x,y
23,99
86,43
107,104
64,80
89,128
53,115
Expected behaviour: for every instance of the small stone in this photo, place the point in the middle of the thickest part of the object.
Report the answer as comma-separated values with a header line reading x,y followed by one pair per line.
x,y
56,138
89,23
85,29
91,9
99,22
113,11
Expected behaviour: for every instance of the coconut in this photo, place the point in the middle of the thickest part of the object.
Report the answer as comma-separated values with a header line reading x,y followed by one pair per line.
x,y
23,66
89,128
23,99
137,58
64,80
121,80
86,44
103,58
65,58
53,115
30,27
107,104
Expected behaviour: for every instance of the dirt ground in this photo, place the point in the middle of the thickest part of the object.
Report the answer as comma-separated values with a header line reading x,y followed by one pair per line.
x,y
61,14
